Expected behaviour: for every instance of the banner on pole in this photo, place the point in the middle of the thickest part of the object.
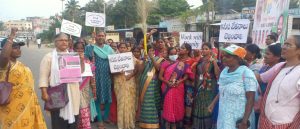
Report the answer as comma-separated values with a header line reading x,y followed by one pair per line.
x,y
192,38
95,19
234,31
270,16
71,28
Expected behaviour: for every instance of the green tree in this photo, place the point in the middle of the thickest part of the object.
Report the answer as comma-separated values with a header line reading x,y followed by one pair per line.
x,y
172,8
49,34
123,14
184,17
72,11
167,9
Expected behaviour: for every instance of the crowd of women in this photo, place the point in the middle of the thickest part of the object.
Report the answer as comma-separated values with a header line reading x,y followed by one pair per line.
x,y
171,86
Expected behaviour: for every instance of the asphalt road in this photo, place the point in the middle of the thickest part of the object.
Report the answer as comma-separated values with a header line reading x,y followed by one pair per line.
x,y
32,56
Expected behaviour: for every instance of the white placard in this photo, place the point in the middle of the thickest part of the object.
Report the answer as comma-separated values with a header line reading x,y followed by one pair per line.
x,y
234,31
128,34
57,31
87,70
110,28
71,28
121,62
95,19
192,38
114,36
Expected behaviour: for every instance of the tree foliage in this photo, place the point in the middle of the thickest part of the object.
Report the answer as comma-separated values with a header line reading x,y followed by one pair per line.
x,y
122,15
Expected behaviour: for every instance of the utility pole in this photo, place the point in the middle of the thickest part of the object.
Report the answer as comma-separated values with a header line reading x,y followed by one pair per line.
x,y
62,7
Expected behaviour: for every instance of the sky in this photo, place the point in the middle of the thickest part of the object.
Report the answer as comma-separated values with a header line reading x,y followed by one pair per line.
x,y
20,9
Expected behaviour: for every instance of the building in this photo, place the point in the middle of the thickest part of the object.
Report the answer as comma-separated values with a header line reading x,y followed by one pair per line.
x,y
22,25
39,24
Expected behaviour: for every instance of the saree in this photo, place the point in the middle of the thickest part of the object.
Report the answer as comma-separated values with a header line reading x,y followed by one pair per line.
x,y
125,91
85,99
23,111
206,91
189,92
264,122
150,98
173,105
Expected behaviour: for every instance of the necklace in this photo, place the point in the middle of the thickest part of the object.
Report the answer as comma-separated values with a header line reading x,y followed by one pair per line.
x,y
278,91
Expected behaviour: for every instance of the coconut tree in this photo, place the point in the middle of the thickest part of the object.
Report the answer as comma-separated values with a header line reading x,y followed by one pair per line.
x,y
72,9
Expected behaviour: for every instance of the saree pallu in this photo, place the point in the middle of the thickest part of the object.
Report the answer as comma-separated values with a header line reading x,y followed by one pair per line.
x,y
84,112
150,98
264,122
202,119
126,97
173,105
23,111
206,92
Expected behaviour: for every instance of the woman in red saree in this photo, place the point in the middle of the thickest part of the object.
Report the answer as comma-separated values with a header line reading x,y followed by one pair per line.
x,y
173,73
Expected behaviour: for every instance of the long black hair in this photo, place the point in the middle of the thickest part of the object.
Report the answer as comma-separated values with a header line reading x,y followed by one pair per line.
x,y
253,48
188,47
276,51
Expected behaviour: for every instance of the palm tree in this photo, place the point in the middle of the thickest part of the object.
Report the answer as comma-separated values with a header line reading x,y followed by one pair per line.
x,y
72,8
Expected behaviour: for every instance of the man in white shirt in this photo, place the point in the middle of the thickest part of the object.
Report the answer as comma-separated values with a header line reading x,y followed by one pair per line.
x,y
39,42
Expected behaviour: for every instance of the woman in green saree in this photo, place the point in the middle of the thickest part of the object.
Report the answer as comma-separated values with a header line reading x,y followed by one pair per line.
x,y
150,98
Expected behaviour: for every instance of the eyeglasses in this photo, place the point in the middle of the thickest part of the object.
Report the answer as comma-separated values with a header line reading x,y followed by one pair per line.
x,y
63,40
286,45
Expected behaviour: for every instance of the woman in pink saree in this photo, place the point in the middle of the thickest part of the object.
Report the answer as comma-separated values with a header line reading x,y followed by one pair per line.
x,y
173,73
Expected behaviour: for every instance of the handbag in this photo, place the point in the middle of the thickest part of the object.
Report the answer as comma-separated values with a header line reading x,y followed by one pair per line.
x,y
58,97
5,89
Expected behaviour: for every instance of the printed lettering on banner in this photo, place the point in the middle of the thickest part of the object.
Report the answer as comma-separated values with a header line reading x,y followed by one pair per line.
x,y
69,67
71,28
114,36
234,31
192,38
121,62
95,19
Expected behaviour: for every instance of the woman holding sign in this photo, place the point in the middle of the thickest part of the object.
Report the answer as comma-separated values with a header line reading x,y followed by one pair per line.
x,y
125,89
173,73
87,90
66,116
150,99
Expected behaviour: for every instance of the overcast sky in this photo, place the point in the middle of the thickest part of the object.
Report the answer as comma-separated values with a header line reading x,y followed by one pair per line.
x,y
20,9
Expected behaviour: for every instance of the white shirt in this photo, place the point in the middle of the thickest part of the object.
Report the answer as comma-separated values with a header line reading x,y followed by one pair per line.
x,y
38,41
286,89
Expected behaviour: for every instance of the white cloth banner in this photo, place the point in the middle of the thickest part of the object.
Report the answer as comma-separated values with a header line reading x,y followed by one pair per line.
x,y
71,28
192,38
95,19
234,31
121,62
